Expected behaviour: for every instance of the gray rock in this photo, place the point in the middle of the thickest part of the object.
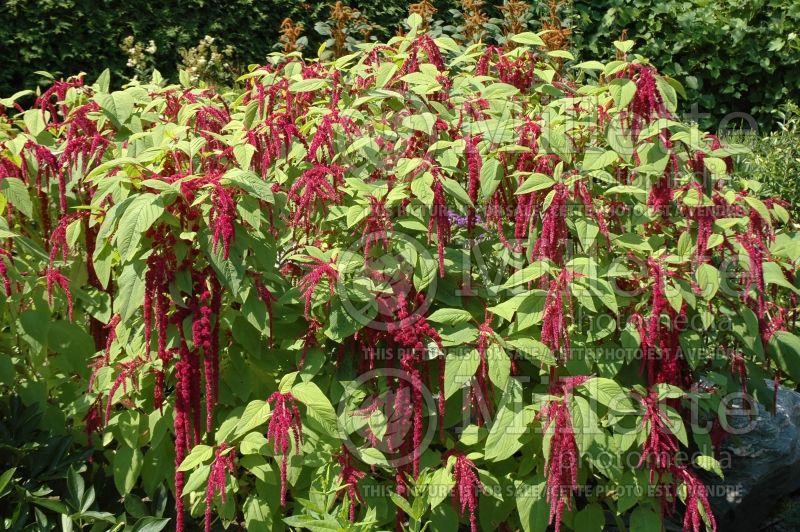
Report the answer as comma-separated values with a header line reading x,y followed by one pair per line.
x,y
764,465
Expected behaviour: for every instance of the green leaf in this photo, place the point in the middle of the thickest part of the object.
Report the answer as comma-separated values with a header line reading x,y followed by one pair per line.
x,y
624,46
34,121
528,38
529,273
784,348
584,423
308,85
439,486
590,519
710,464
459,368
773,274
131,290
15,191
126,467
609,393
255,413
450,316
708,280
318,405
491,175
509,425
623,91
644,519
401,503
596,159
535,182
150,524
199,454
118,105
5,478
137,218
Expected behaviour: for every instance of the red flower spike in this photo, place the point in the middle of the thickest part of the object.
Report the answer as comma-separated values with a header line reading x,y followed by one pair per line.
x,y
313,188
554,327
467,487
739,369
696,497
55,277
553,237
285,421
223,463
441,221
350,476
485,333
377,225
221,219
93,420
310,281
661,445
4,271
561,470
474,164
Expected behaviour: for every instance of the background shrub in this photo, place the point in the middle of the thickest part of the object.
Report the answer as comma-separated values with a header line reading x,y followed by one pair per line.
x,y
735,55
775,158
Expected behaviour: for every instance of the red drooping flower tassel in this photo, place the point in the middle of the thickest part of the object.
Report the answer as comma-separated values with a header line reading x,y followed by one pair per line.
x,y
411,333
554,328
650,332
755,274
350,476
582,192
376,225
93,420
4,271
739,369
202,339
441,221
223,463
467,487
696,496
474,164
221,218
647,101
553,237
128,372
182,431
561,470
485,334
310,281
284,425
661,445
704,217
55,277
311,188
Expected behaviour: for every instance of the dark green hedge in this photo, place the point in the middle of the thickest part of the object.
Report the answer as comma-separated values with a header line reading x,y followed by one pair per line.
x,y
69,36
733,55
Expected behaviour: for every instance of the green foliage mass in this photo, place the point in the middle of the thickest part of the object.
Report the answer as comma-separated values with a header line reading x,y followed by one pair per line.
x,y
343,288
